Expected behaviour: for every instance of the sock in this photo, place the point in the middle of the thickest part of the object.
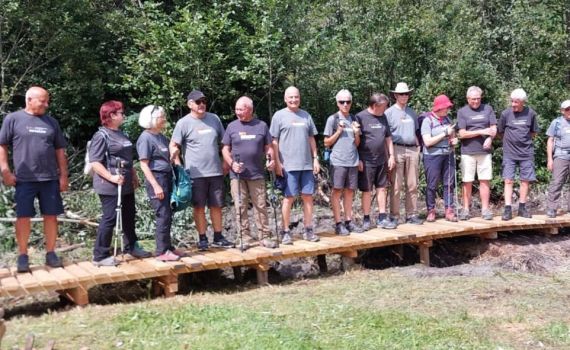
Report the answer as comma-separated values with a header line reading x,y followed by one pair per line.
x,y
507,207
366,217
338,223
381,216
522,205
203,237
217,236
347,222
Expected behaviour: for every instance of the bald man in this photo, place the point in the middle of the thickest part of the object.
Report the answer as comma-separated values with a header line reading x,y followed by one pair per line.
x,y
246,143
40,171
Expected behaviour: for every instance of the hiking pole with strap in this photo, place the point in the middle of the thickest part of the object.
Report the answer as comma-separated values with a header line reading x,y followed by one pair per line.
x,y
119,211
237,159
273,202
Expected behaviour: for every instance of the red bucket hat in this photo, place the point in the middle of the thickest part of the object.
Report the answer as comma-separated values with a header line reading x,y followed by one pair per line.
x,y
441,102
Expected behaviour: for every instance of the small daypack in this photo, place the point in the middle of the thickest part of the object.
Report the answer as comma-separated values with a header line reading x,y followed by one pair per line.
x,y
88,168
181,195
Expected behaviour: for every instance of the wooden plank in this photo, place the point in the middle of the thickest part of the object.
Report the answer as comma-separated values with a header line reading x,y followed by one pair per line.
x,y
207,261
144,268
243,258
167,266
192,264
263,253
65,279
48,281
131,272
79,273
5,272
230,257
98,273
29,282
11,287
113,272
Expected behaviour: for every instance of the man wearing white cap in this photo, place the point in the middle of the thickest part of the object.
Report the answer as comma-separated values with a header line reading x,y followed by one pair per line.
x,y
517,126
403,123
558,154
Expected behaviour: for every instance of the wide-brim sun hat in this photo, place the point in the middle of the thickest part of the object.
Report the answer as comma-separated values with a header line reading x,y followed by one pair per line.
x,y
401,88
565,104
440,102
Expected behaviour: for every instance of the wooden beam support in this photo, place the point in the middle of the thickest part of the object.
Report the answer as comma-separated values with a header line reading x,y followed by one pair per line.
x,y
165,285
322,262
399,252
549,232
238,275
489,235
77,295
424,251
350,254
262,273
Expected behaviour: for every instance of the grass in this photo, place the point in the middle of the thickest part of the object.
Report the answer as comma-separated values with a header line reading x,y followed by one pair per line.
x,y
390,309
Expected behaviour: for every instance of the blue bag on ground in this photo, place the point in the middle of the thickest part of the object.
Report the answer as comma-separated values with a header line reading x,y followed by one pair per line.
x,y
181,195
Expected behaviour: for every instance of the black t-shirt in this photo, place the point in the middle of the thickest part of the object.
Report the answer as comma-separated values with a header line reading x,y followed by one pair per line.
x,y
472,120
374,131
517,129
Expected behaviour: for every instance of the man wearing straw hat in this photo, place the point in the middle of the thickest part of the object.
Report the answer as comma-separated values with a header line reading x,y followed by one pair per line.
x,y
403,123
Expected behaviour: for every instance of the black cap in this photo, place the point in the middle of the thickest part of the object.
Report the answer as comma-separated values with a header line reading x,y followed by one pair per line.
x,y
195,95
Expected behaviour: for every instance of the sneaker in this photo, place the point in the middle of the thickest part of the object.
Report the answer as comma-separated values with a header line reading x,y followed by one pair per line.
x,y
109,261
309,235
269,243
487,214
23,263
181,253
431,215
415,220
341,230
203,244
464,215
551,213
139,253
242,244
507,213
351,227
450,215
286,237
524,212
388,224
168,256
366,225
53,260
222,242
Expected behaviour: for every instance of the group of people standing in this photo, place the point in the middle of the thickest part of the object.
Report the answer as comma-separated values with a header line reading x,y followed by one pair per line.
x,y
377,150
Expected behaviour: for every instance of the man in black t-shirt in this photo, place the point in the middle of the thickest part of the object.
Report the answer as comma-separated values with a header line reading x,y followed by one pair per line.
x,y
40,170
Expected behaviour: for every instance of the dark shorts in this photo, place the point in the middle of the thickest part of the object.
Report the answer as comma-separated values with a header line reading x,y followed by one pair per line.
x,y
526,169
373,175
345,177
47,193
301,181
208,192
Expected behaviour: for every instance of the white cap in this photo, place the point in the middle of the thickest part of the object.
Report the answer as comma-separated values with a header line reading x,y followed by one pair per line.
x,y
565,104
518,94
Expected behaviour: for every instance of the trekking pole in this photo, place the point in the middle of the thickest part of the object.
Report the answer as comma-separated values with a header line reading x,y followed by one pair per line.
x,y
119,212
237,159
273,201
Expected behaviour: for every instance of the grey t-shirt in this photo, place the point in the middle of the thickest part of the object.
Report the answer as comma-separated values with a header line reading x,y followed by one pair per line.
x,y
517,129
434,126
471,120
154,148
200,140
403,125
560,129
375,130
344,152
292,130
34,140
248,140
120,150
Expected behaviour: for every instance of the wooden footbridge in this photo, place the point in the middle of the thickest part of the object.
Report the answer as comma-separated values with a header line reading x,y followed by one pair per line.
x,y
74,280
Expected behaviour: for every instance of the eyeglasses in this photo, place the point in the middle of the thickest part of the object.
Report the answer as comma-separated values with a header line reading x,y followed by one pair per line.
x,y
567,109
120,112
345,102
474,98
403,94
200,102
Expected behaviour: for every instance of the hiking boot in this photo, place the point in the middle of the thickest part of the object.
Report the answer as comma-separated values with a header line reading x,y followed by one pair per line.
x,y
168,256
487,214
53,260
203,244
310,236
341,230
222,242
179,252
269,243
351,227
431,215
551,213
388,224
286,237
507,213
464,215
366,225
139,253
108,261
23,263
450,215
415,220
524,212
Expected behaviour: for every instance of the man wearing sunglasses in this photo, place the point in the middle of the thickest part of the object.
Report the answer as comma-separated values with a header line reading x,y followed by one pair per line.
x,y
342,136
558,155
403,123
199,135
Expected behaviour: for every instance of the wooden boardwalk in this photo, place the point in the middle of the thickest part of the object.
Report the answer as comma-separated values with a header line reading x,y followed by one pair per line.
x,y
74,280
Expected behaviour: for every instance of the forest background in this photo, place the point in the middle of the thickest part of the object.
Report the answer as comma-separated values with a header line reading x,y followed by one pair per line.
x,y
141,52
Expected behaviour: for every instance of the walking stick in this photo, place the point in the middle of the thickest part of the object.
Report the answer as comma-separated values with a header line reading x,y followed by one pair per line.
x,y
273,201
237,159
119,212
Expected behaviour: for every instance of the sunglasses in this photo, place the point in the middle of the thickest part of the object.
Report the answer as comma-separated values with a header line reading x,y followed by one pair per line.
x,y
345,102
200,102
567,109
403,94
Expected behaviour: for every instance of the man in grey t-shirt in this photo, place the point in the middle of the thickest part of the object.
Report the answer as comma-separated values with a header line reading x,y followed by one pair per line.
x,y
558,155
293,132
199,134
40,171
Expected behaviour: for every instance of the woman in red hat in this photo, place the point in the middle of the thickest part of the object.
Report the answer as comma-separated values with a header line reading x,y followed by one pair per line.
x,y
439,160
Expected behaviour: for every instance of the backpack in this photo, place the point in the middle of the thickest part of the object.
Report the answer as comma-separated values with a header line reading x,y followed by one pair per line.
x,y
421,118
181,195
88,168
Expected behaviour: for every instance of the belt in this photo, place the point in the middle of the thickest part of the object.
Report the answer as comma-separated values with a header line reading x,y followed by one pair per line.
x,y
404,145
